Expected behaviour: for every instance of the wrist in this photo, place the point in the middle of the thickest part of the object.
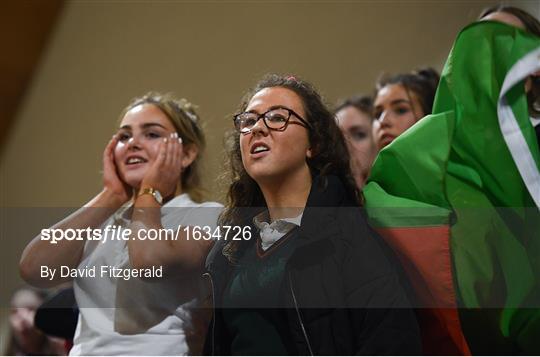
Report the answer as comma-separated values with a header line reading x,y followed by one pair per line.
x,y
107,198
152,192
166,191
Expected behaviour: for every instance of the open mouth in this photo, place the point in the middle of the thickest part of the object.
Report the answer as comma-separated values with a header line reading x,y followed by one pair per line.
x,y
258,148
386,139
134,160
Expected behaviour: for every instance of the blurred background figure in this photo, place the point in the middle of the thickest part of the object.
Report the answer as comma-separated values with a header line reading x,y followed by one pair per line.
x,y
400,101
25,338
354,117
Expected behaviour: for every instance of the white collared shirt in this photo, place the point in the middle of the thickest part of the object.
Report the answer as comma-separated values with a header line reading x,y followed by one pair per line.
x,y
272,232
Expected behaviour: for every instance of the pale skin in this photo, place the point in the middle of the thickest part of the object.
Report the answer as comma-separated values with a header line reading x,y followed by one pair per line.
x,y
281,172
356,127
23,309
395,111
505,18
147,134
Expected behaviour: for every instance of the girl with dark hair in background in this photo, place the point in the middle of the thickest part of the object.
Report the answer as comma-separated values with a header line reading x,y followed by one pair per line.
x,y
354,118
313,279
400,101
150,181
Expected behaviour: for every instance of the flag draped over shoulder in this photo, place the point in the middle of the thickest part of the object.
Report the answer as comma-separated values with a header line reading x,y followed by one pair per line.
x,y
458,194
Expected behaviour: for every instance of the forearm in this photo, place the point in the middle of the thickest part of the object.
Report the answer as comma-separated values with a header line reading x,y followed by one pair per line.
x,y
177,255
40,252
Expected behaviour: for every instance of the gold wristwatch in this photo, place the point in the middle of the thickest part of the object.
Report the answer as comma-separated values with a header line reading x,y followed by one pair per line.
x,y
152,191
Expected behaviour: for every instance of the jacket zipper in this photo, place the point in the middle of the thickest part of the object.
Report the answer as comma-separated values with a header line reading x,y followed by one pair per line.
x,y
213,310
299,317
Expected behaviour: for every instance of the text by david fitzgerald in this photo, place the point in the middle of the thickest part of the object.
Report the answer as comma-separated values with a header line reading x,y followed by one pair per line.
x,y
103,271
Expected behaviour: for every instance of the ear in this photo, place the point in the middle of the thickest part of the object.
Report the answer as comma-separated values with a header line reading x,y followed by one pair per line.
x,y
309,153
190,154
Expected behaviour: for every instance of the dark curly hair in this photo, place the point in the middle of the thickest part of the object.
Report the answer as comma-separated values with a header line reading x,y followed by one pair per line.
x,y
329,155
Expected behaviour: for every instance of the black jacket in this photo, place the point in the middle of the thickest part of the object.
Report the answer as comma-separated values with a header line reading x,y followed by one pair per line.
x,y
343,293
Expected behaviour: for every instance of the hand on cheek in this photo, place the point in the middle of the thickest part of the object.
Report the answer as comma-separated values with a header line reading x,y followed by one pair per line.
x,y
164,174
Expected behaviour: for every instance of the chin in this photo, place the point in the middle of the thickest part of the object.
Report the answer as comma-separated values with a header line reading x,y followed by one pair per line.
x,y
131,180
261,175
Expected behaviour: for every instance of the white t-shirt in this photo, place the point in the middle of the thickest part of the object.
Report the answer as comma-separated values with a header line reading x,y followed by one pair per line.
x,y
137,317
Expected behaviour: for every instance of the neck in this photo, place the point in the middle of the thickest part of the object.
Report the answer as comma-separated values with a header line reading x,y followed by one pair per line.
x,y
286,197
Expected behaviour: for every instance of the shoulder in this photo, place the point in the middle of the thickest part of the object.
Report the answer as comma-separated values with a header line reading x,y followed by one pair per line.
x,y
182,210
184,200
210,204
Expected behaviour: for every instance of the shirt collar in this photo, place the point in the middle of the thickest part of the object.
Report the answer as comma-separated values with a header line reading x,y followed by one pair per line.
x,y
283,224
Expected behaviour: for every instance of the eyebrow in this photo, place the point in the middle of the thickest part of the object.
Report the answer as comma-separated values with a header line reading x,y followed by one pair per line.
x,y
396,101
399,101
358,127
271,108
144,126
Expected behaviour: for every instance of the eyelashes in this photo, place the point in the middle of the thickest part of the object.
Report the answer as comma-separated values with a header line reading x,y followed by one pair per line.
x,y
123,137
359,135
398,111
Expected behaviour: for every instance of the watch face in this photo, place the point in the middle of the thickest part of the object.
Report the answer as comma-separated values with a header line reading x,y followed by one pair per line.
x,y
158,197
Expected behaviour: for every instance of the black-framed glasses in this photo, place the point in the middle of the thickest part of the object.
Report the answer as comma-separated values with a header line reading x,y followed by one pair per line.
x,y
276,118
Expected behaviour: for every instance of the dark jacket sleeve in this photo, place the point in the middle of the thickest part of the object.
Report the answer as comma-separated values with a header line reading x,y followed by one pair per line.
x,y
58,315
381,315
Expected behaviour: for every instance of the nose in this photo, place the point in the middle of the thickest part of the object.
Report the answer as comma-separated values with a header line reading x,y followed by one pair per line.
x,y
133,143
259,128
384,119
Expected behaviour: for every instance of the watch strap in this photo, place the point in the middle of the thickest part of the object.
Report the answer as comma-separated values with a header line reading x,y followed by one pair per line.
x,y
152,191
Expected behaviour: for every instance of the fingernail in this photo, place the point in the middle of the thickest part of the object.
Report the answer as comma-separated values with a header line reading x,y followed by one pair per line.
x,y
175,134
180,140
164,140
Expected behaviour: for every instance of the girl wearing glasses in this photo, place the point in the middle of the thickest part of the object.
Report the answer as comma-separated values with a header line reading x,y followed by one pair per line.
x,y
313,278
137,296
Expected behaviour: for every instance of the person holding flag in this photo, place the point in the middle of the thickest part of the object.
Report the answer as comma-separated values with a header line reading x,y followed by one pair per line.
x,y
458,194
